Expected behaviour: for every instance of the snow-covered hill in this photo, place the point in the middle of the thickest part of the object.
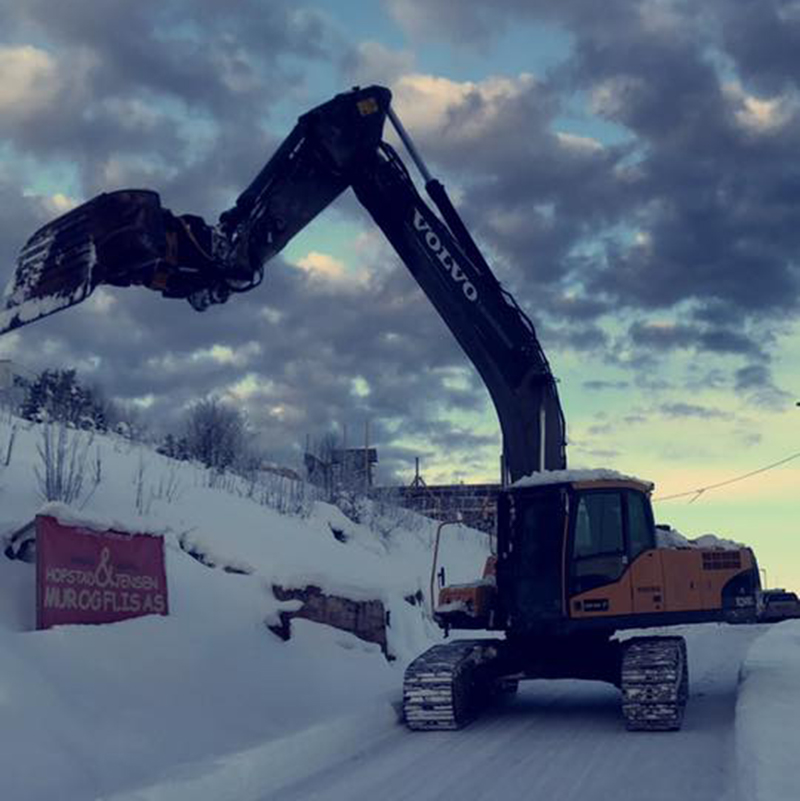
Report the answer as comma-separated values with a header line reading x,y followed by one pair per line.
x,y
207,704
89,712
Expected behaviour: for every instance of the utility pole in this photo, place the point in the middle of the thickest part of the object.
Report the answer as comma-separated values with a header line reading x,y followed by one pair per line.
x,y
366,457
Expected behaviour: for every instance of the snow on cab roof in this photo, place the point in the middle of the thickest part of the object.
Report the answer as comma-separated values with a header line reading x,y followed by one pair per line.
x,y
574,476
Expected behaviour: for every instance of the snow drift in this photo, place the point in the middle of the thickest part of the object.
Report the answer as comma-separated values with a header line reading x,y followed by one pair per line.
x,y
95,711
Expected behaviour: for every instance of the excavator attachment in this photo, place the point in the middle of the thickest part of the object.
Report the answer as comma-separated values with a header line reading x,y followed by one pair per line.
x,y
115,238
54,270
127,238
123,238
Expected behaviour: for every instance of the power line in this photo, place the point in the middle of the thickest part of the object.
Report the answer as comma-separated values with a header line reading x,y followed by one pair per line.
x,y
700,491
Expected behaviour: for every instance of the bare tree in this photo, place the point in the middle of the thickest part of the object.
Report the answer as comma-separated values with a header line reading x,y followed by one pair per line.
x,y
64,461
216,434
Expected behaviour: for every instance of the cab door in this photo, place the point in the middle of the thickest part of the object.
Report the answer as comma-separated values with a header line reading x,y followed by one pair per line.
x,y
531,528
647,580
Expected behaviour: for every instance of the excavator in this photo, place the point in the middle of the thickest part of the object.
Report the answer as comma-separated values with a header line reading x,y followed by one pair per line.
x,y
577,558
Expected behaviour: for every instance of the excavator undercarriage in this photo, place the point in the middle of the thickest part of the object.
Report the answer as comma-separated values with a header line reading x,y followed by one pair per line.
x,y
446,687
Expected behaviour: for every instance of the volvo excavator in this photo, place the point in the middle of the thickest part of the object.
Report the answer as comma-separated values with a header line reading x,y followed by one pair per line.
x,y
577,558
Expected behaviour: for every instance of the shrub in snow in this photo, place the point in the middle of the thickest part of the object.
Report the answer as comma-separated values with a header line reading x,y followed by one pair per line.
x,y
174,448
7,447
64,464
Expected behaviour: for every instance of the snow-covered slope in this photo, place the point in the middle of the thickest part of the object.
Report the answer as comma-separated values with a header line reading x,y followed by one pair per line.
x,y
208,704
90,712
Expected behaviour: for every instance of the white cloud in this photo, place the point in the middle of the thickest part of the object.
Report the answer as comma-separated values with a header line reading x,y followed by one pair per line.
x,y
101,301
272,315
60,203
643,240
758,115
425,102
328,268
219,354
31,79
360,387
248,387
578,144
223,354
143,401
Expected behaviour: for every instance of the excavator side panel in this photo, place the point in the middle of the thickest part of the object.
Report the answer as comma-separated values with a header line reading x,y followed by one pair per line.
x,y
683,581
677,585
647,583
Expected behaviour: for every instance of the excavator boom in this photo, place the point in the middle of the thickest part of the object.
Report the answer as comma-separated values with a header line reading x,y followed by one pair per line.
x,y
127,238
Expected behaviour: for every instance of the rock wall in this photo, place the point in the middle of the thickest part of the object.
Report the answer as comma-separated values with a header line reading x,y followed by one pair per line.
x,y
365,619
477,503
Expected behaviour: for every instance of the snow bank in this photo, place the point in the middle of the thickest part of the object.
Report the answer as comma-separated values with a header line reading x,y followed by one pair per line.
x,y
567,476
767,715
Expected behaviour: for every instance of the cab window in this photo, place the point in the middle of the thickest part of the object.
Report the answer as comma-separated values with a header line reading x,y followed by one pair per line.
x,y
598,549
641,535
598,524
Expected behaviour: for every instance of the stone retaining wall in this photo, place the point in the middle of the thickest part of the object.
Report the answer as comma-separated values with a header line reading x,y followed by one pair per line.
x,y
477,503
365,619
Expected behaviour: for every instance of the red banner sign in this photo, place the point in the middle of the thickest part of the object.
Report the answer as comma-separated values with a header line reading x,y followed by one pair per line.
x,y
85,576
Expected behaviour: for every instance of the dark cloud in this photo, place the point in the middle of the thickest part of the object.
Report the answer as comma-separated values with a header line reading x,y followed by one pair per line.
x,y
692,410
752,377
704,338
763,41
697,204
690,210
171,94
290,350
17,214
601,385
755,381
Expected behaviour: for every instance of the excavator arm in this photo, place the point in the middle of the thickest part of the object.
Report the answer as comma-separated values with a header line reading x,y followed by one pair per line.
x,y
127,238
496,335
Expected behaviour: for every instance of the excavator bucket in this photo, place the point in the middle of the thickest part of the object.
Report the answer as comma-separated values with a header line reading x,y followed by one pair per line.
x,y
114,238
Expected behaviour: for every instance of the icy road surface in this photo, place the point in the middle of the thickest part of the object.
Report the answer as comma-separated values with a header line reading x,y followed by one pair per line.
x,y
558,741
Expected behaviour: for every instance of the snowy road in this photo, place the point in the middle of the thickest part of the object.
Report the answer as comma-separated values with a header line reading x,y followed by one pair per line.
x,y
559,741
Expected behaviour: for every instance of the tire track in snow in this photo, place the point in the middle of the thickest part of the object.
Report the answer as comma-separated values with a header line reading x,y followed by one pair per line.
x,y
561,741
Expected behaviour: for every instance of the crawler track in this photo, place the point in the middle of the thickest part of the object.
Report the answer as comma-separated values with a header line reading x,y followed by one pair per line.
x,y
655,683
445,686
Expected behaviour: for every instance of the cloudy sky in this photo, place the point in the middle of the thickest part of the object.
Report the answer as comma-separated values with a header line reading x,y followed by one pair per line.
x,y
630,168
